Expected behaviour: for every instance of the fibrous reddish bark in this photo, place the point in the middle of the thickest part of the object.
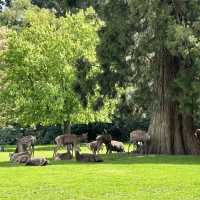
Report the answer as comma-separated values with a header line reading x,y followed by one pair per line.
x,y
171,130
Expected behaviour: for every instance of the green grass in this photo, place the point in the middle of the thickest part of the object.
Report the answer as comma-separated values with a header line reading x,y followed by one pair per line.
x,y
120,177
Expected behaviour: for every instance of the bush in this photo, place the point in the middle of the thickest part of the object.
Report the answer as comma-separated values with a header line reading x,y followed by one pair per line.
x,y
46,135
9,134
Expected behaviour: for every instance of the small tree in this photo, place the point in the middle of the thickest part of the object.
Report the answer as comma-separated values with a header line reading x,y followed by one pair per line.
x,y
41,66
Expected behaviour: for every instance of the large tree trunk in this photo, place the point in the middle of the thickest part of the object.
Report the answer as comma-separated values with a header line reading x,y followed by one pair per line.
x,y
171,130
67,127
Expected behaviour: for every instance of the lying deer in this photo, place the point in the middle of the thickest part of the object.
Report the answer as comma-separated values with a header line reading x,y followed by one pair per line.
x,y
37,162
63,156
69,139
21,157
104,139
141,139
86,157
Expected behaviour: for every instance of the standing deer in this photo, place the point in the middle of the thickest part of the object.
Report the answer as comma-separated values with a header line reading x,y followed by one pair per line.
x,y
26,144
117,146
141,139
69,139
93,146
104,139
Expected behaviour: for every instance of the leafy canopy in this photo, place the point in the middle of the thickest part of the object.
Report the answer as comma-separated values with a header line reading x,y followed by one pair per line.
x,y
41,67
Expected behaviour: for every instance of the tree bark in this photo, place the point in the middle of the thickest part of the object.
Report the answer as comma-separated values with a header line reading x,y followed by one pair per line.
x,y
171,130
67,127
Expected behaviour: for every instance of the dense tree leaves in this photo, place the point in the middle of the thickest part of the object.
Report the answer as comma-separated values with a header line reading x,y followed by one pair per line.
x,y
14,16
59,6
159,53
41,62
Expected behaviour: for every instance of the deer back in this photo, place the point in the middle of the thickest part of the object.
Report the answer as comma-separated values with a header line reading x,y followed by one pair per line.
x,y
66,139
138,135
106,139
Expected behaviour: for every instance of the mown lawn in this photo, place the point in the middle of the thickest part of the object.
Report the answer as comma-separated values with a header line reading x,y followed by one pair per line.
x,y
120,177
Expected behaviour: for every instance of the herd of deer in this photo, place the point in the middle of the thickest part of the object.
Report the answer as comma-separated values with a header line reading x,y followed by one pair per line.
x,y
25,147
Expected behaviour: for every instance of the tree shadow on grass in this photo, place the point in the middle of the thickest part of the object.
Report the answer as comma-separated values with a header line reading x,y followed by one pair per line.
x,y
125,159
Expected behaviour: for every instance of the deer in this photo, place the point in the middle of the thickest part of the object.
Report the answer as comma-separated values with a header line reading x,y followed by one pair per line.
x,y
86,157
37,162
26,143
93,146
21,157
104,139
141,139
117,146
63,156
69,139
197,135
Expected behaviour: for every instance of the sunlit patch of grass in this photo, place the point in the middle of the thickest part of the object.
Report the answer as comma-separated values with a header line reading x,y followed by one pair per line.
x,y
120,176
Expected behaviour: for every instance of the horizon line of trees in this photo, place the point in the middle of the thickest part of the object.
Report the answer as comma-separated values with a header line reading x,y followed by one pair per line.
x,y
120,61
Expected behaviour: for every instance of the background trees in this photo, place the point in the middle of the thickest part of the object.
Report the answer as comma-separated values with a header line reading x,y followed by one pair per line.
x,y
148,53
161,60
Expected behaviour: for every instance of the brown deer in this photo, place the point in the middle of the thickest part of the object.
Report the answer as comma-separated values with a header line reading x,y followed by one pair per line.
x,y
86,157
69,139
21,157
93,146
117,146
26,144
37,162
63,156
141,139
197,135
104,139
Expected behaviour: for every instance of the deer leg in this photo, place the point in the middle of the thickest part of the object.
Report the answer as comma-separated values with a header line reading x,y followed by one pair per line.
x,y
110,148
106,149
55,150
29,149
145,148
138,147
129,146
68,148
97,149
72,149
33,149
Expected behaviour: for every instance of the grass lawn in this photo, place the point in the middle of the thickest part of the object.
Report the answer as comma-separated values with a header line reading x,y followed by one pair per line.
x,y
120,177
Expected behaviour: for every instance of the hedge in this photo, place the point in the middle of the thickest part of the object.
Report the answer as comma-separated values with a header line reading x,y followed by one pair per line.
x,y
46,135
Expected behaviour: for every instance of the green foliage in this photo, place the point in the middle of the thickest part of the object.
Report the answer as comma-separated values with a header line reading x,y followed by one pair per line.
x,y
139,37
41,66
14,16
124,80
61,6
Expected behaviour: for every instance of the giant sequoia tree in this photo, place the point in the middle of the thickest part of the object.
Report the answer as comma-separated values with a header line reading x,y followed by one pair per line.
x,y
161,57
